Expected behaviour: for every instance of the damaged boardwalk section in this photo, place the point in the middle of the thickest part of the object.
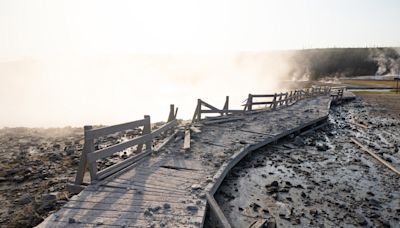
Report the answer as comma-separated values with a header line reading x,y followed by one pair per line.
x,y
171,183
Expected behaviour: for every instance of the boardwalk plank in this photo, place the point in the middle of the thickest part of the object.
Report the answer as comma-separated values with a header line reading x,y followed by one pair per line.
x,y
179,208
130,194
144,187
134,199
134,190
156,182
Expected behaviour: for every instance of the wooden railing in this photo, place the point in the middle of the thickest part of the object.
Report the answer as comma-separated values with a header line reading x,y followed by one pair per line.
x,y
144,144
212,110
337,93
270,101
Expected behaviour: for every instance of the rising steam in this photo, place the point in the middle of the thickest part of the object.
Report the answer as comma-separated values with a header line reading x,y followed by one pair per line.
x,y
388,60
112,89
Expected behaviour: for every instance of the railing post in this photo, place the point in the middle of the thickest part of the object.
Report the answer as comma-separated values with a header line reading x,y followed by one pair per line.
x,y
250,102
274,101
147,130
286,98
171,115
226,106
88,147
176,113
197,114
83,162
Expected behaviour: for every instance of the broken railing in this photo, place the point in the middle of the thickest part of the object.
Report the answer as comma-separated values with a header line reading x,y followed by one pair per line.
x,y
212,110
269,101
144,143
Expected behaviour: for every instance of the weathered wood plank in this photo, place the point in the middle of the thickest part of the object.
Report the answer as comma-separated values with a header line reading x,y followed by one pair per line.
x,y
152,183
83,163
124,215
111,198
186,141
165,171
263,103
223,120
221,111
263,95
94,133
375,156
121,165
175,203
161,177
129,194
134,190
106,152
217,211
157,181
179,210
208,105
127,220
181,164
164,128
143,187
175,176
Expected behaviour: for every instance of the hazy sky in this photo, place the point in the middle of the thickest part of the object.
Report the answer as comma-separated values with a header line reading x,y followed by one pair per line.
x,y
86,27
99,62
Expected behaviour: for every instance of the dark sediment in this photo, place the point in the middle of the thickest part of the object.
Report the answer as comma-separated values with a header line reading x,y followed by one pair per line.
x,y
321,179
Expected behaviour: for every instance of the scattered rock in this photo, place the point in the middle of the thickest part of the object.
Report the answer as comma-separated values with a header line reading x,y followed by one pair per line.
x,y
322,146
148,213
255,206
271,223
298,141
71,220
360,220
192,208
25,199
155,209
196,187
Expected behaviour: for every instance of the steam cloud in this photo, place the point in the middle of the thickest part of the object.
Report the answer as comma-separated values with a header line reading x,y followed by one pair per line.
x,y
74,91
388,61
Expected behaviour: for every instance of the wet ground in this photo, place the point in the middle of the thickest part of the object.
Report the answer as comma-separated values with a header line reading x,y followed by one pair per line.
x,y
321,179
35,166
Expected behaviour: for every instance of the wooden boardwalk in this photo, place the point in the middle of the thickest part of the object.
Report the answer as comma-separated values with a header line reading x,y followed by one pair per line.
x,y
168,188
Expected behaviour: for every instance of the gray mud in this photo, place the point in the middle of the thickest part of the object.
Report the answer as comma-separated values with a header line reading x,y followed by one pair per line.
x,y
320,179
35,166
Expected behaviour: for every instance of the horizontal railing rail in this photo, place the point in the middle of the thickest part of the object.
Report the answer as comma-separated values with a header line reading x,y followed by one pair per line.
x,y
104,131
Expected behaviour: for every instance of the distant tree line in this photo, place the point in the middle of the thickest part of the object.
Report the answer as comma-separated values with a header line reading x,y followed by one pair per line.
x,y
344,62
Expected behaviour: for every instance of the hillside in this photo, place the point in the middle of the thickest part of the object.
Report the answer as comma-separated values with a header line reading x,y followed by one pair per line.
x,y
344,62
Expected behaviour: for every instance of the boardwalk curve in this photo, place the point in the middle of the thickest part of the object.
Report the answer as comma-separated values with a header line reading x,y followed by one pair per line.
x,y
172,186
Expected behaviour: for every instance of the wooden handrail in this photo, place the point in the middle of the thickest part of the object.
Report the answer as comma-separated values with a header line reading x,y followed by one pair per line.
x,y
90,156
95,133
278,100
163,128
108,151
